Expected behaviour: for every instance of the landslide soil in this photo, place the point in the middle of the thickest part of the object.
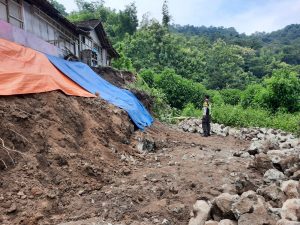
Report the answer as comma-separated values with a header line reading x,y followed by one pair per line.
x,y
68,158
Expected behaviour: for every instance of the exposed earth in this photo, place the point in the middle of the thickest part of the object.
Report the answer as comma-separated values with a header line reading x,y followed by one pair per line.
x,y
73,161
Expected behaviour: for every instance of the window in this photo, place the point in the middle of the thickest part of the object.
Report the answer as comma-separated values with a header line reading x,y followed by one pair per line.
x,y
11,11
3,10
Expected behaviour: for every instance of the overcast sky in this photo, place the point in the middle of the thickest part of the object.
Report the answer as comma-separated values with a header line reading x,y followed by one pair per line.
x,y
246,16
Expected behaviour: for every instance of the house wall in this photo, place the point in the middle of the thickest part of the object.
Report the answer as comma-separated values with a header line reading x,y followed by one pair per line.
x,y
30,27
38,23
23,15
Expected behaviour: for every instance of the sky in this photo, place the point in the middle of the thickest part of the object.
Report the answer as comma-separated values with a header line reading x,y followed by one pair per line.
x,y
246,16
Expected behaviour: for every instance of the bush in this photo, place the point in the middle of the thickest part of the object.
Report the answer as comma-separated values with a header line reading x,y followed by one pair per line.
x,y
283,91
215,97
231,96
148,76
179,91
191,111
251,96
251,117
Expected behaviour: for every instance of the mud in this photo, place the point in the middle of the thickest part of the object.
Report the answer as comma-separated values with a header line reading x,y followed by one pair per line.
x,y
68,159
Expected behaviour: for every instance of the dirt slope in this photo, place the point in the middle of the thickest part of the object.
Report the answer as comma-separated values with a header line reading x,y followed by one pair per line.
x,y
68,158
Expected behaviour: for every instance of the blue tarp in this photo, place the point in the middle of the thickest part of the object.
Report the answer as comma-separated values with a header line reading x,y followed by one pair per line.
x,y
84,76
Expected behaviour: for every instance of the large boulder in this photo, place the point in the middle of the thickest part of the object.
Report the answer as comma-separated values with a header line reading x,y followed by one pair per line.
x,y
284,159
200,213
222,206
273,194
243,183
291,209
244,204
261,163
259,215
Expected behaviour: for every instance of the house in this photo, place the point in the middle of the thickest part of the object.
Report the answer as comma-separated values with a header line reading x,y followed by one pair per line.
x,y
38,25
96,46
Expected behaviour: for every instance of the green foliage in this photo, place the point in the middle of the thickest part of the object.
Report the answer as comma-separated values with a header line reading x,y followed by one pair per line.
x,y
117,24
180,91
231,96
283,90
161,109
123,62
251,96
166,18
191,111
240,117
60,7
215,97
224,66
148,76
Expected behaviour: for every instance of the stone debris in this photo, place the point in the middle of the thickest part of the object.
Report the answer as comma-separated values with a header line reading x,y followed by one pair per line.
x,y
200,213
291,210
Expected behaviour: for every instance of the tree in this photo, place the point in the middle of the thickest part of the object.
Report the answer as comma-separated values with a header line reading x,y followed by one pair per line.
x,y
165,13
60,7
128,20
225,66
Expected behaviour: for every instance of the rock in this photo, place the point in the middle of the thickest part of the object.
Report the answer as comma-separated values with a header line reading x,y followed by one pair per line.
x,y
287,222
36,191
244,204
296,175
284,159
262,163
222,206
146,144
259,216
227,222
192,129
291,189
291,210
126,171
201,210
254,147
273,194
245,155
226,131
12,208
211,222
166,222
243,184
176,208
273,175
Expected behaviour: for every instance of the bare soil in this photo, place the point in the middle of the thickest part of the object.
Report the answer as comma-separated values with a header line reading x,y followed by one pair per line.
x,y
68,159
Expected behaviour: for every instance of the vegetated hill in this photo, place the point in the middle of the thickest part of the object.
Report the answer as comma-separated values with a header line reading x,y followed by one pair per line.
x,y
285,41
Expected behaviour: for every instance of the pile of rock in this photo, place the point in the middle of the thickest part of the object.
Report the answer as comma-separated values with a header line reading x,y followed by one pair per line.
x,y
251,207
276,155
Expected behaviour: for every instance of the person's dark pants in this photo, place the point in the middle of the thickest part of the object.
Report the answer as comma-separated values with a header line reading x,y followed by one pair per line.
x,y
206,125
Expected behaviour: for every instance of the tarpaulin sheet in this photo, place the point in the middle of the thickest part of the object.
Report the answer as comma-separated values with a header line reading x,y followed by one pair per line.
x,y
83,75
24,70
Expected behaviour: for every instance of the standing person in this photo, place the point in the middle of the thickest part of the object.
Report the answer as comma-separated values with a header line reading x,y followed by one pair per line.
x,y
206,117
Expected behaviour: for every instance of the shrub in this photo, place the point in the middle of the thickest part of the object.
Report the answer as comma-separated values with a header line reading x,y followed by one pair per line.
x,y
148,76
251,96
179,91
191,111
231,96
283,91
215,97
252,117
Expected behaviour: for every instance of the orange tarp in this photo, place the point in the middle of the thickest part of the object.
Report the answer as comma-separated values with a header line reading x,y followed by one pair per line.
x,y
24,71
